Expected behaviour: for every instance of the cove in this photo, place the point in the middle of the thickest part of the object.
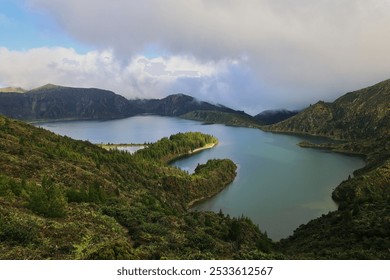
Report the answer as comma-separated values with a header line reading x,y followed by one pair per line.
x,y
279,185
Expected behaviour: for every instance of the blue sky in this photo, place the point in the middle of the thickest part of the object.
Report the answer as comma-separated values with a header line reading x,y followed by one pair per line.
x,y
23,27
251,55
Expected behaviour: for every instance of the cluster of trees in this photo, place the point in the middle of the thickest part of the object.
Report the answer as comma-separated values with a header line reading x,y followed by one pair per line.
x,y
94,193
46,198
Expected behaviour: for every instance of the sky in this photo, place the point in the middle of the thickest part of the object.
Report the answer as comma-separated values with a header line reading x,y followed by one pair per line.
x,y
250,55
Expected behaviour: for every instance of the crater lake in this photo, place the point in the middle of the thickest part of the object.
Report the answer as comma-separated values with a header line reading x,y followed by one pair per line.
x,y
279,185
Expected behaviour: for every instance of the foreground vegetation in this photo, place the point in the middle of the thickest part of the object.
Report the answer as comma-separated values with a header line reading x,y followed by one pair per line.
x,y
67,199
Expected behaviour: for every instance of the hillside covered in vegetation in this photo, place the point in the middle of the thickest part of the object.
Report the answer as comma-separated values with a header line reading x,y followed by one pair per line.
x,y
67,199
360,228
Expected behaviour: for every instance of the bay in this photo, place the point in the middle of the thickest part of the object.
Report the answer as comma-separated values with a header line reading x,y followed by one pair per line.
x,y
279,185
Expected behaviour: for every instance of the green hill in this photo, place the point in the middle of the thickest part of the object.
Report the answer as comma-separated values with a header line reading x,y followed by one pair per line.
x,y
227,118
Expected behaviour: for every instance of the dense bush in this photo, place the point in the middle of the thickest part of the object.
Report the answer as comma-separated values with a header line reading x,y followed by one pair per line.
x,y
47,199
16,231
95,193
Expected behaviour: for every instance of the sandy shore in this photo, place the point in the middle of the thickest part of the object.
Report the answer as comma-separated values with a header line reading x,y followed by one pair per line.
x,y
207,146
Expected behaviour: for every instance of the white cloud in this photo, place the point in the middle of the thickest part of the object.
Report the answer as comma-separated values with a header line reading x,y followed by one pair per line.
x,y
141,77
291,52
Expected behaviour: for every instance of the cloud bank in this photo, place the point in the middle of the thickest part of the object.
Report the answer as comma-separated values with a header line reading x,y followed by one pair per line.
x,y
253,53
141,77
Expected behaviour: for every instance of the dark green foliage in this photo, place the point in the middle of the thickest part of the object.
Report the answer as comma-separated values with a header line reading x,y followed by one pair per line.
x,y
95,193
112,250
345,234
47,199
16,231
175,146
228,118
11,186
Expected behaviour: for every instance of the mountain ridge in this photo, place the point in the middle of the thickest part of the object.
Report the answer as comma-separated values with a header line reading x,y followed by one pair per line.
x,y
53,102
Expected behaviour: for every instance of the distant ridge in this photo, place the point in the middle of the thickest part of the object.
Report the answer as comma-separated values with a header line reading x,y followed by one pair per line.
x,y
274,116
179,104
53,102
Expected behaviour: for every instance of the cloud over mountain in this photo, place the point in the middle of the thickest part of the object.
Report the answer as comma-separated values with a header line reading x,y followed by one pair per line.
x,y
287,53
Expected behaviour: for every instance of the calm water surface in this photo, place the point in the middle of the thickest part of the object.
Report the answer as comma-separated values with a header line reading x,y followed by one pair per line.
x,y
279,185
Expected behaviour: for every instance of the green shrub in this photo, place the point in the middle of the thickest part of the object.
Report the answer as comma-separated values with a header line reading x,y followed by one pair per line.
x,y
95,194
16,231
47,199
